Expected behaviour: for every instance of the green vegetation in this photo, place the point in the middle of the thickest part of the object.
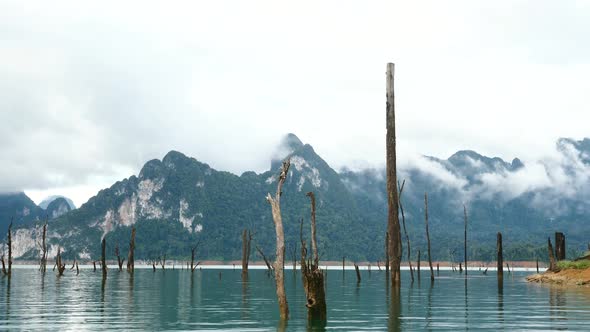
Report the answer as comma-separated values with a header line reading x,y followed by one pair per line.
x,y
578,265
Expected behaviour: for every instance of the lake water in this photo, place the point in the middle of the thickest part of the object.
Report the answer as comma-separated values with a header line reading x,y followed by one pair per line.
x,y
219,300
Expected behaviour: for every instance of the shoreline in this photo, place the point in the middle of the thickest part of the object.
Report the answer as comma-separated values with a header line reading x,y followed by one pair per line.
x,y
565,277
520,266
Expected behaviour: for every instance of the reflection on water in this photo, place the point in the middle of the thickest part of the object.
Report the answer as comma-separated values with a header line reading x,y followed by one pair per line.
x,y
181,300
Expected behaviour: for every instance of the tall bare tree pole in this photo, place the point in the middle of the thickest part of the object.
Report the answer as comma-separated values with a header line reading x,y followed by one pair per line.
x,y
103,261
314,242
428,236
275,204
465,214
392,197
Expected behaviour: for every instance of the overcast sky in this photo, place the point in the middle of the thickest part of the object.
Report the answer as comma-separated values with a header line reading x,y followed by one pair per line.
x,y
90,91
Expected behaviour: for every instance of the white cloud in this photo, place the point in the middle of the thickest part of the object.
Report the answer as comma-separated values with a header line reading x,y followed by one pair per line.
x,y
89,90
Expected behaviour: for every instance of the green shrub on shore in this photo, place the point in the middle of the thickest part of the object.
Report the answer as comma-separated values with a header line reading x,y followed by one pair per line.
x,y
582,264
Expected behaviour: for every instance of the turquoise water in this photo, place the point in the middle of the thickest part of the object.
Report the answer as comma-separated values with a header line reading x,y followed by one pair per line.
x,y
220,300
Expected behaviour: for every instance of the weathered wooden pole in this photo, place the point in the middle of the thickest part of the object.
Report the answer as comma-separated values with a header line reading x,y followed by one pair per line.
x,y
552,263
500,259
559,246
401,208
130,257
103,261
428,236
465,249
275,203
392,198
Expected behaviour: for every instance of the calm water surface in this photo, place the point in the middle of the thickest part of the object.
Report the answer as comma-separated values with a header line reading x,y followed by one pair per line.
x,y
220,300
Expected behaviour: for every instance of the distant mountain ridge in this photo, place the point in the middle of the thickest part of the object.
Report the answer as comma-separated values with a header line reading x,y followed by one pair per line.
x,y
178,200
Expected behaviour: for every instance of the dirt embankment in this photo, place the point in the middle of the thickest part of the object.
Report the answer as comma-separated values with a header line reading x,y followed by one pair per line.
x,y
577,277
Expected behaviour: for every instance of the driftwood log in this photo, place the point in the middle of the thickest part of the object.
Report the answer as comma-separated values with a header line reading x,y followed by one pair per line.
x,y
275,204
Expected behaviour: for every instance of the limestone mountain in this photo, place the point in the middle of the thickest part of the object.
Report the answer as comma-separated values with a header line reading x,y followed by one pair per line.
x,y
177,201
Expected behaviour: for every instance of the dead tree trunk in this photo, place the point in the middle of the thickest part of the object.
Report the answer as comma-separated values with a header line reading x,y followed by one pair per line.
x,y
119,260
392,197
401,208
275,204
194,249
313,278
559,246
9,272
358,274
43,263
314,243
246,239
552,263
418,264
428,236
9,242
103,261
130,257
77,269
61,267
387,260
268,265
162,261
500,259
537,259
465,243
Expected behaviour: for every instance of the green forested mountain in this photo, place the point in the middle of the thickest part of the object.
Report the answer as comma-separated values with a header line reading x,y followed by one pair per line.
x,y
177,201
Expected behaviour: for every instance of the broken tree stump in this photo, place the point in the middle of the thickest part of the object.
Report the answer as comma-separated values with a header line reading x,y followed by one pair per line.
x,y
559,246
313,277
130,257
552,263
358,274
